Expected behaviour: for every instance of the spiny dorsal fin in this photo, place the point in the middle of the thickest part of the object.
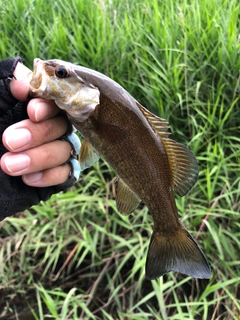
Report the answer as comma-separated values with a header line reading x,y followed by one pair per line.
x,y
87,155
159,125
183,165
126,199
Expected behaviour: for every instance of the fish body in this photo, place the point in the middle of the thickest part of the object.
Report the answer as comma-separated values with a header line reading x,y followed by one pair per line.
x,y
135,143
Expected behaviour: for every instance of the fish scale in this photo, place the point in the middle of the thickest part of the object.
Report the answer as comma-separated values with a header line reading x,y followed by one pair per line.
x,y
129,170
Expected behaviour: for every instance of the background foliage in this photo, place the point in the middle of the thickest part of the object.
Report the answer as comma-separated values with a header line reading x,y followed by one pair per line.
x,y
75,256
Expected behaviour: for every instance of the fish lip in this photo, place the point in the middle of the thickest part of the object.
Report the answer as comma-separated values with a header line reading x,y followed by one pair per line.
x,y
37,83
35,62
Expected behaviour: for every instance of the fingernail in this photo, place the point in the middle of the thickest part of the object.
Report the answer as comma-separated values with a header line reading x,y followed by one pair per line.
x,y
40,111
33,177
15,163
17,138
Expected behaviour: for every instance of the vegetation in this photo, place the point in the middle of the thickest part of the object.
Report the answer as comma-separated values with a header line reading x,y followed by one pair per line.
x,y
75,256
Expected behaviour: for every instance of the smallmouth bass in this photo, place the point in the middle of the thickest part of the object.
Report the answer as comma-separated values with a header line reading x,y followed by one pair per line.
x,y
135,143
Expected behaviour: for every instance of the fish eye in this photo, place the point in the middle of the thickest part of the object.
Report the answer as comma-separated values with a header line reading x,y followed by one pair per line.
x,y
61,72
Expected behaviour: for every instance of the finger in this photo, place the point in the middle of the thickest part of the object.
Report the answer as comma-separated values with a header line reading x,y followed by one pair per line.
x,y
27,134
20,85
36,159
49,177
40,109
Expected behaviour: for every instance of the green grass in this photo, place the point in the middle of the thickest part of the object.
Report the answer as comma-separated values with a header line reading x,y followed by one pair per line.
x,y
75,256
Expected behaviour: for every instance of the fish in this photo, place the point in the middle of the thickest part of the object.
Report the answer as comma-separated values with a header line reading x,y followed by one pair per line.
x,y
150,167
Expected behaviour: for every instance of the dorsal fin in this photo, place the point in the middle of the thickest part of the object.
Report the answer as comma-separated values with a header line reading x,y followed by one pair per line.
x,y
182,161
126,199
159,125
183,165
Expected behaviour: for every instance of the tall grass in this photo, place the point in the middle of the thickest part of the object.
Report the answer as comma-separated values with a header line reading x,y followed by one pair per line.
x,y
75,256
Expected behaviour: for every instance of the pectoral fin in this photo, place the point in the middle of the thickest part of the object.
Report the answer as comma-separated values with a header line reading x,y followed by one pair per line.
x,y
87,155
126,199
111,132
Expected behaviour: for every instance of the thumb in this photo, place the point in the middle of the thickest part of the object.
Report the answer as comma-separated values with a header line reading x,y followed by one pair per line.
x,y
20,86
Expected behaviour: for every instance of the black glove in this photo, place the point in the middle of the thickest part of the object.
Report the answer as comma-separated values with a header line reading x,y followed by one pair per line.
x,y
15,195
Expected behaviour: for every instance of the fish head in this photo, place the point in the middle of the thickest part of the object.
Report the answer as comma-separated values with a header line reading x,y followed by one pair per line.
x,y
57,80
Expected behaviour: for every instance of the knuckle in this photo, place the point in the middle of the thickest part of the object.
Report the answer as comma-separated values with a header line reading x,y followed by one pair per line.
x,y
47,128
57,175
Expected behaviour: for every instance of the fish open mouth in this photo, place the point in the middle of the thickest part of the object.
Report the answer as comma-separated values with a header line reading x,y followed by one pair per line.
x,y
58,81
42,73
36,81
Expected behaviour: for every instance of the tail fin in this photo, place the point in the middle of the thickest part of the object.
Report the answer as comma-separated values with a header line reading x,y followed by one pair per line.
x,y
178,252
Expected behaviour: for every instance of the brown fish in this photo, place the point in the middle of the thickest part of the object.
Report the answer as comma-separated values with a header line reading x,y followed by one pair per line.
x,y
150,167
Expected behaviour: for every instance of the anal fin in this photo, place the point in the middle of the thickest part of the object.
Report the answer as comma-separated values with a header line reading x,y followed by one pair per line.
x,y
126,199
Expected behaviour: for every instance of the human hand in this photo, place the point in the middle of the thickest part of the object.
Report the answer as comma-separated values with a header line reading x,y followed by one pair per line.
x,y
36,143
34,151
